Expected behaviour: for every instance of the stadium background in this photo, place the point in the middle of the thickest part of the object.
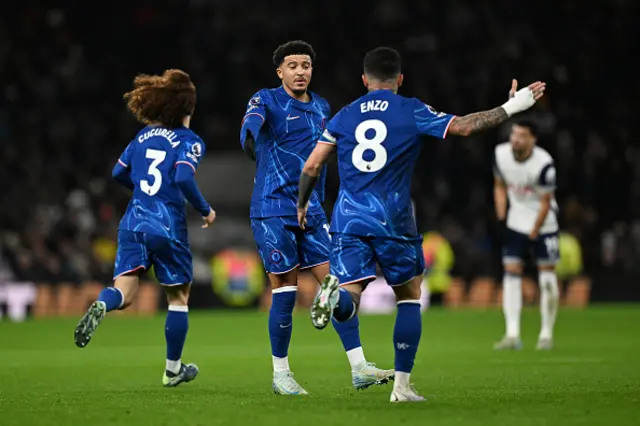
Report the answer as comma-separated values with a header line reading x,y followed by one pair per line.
x,y
65,65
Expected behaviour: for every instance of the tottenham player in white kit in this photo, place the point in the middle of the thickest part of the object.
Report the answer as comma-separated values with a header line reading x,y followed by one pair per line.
x,y
525,174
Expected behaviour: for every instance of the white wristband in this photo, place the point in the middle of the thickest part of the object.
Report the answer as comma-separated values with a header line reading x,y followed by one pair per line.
x,y
522,100
510,107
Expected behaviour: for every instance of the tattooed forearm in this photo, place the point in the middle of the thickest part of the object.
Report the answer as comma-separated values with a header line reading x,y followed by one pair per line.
x,y
471,123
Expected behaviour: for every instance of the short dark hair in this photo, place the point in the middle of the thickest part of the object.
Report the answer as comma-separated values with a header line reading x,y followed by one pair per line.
x,y
529,125
295,47
165,99
382,63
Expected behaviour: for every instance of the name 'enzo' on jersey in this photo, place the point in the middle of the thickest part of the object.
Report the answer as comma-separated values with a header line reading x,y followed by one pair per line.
x,y
375,105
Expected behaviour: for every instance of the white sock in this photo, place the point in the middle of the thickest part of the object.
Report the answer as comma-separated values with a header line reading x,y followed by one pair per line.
x,y
356,358
280,364
549,296
402,380
173,366
512,303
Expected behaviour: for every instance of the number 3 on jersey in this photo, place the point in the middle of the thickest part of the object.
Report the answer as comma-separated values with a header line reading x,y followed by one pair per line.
x,y
158,157
374,144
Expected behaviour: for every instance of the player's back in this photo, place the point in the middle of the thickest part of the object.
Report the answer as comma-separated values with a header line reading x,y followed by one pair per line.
x,y
378,144
158,205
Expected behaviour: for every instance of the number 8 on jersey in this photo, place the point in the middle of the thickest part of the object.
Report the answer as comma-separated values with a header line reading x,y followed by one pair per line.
x,y
374,144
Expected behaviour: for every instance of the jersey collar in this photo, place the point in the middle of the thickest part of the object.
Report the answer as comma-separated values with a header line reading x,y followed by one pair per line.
x,y
287,97
522,161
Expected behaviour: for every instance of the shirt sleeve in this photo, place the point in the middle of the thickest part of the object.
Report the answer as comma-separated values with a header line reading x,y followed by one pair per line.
x,y
547,179
332,131
254,118
185,179
431,122
122,175
125,158
191,152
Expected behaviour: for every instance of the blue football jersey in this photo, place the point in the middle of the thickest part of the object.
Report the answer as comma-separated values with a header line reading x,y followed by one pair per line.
x,y
289,132
158,205
378,141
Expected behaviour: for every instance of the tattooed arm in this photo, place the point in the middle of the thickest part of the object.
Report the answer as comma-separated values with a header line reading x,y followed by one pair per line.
x,y
471,123
519,100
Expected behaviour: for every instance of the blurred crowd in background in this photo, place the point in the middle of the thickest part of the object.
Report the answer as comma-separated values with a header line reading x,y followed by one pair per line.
x,y
63,124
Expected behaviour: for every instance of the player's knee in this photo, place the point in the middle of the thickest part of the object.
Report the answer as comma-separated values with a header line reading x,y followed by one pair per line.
x,y
128,285
409,291
287,279
178,295
356,298
548,280
546,269
320,271
513,268
355,290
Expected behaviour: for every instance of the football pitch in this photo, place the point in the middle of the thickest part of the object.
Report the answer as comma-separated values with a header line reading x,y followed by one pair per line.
x,y
591,378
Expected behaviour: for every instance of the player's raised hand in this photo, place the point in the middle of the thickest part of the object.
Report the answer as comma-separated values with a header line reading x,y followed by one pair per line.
x,y
302,216
523,99
537,89
208,220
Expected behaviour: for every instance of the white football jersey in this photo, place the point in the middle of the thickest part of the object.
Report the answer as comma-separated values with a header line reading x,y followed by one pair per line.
x,y
527,182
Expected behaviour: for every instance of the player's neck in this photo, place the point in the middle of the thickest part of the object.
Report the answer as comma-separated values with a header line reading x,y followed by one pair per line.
x,y
383,86
186,122
302,97
523,156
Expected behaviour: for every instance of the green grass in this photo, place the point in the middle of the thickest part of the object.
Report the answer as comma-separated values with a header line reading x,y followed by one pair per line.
x,y
591,378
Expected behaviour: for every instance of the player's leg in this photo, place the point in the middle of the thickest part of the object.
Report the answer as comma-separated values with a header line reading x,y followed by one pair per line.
x,y
353,263
277,247
283,299
363,373
352,267
514,246
315,246
406,339
546,250
131,259
175,333
173,266
402,264
349,329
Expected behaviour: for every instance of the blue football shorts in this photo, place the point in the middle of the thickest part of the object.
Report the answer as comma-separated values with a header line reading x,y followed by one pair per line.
x,y
171,259
354,258
283,246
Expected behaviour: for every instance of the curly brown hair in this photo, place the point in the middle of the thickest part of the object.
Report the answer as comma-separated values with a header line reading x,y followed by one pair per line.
x,y
166,99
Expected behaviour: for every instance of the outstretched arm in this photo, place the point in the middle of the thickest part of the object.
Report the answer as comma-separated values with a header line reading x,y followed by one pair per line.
x,y
471,123
519,101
